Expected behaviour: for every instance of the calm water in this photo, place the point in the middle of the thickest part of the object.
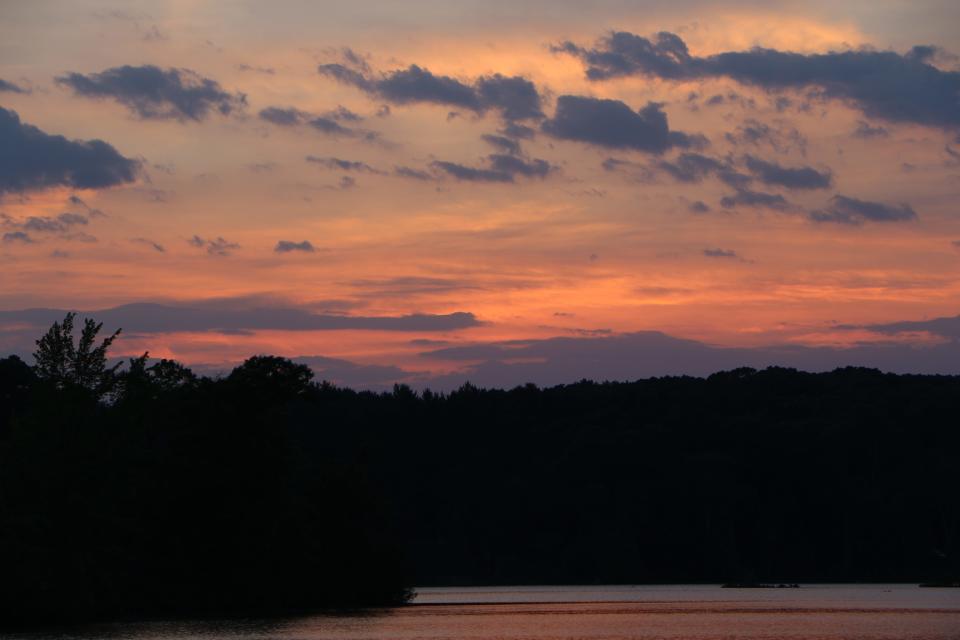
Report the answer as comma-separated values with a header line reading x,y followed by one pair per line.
x,y
603,613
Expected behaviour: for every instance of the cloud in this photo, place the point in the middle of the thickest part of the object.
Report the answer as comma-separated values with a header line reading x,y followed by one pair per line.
x,y
614,125
691,167
327,123
156,246
283,116
502,143
233,315
501,168
519,131
287,246
60,224
471,174
264,70
865,131
852,211
31,160
789,177
10,87
344,165
516,98
948,327
883,84
91,212
719,253
755,199
408,286
153,93
698,206
645,354
782,138
409,172
215,247
353,375
17,236
533,168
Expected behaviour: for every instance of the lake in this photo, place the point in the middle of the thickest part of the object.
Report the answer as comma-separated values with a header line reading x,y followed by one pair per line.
x,y
688,612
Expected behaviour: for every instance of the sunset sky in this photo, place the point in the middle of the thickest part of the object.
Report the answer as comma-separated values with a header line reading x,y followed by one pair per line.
x,y
429,192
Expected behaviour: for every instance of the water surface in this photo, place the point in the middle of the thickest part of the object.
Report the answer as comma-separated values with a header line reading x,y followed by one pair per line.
x,y
695,612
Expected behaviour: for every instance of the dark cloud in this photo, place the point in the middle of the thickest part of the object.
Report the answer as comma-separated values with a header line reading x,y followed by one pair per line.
x,y
351,374
614,125
632,356
733,178
10,87
214,246
719,253
502,143
327,123
501,168
339,164
233,316
341,113
330,126
91,212
147,242
471,174
638,172
514,97
516,166
699,206
883,84
32,160
287,246
354,59
624,54
865,130
154,93
691,167
520,131
848,210
755,200
17,236
346,75
265,70
789,177
407,286
46,224
781,138
945,327
415,174
284,116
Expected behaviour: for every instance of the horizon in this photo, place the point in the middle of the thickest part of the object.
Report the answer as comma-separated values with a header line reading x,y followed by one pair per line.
x,y
492,192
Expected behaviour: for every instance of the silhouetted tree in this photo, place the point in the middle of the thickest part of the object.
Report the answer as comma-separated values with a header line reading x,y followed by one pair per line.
x,y
84,365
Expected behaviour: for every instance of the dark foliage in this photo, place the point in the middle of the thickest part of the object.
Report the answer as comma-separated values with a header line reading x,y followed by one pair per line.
x,y
265,492
181,497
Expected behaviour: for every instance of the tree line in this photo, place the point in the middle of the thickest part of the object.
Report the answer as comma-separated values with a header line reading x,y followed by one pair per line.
x,y
146,490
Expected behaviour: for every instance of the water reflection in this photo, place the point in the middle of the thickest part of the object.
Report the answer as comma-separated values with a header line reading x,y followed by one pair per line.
x,y
847,612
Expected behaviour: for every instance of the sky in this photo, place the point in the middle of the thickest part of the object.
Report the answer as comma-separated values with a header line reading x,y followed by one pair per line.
x,y
432,192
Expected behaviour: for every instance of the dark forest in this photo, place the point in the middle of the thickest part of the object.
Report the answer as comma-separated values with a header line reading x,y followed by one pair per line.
x,y
145,490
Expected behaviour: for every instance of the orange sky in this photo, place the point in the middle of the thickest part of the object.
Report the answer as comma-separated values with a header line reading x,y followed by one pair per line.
x,y
582,251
